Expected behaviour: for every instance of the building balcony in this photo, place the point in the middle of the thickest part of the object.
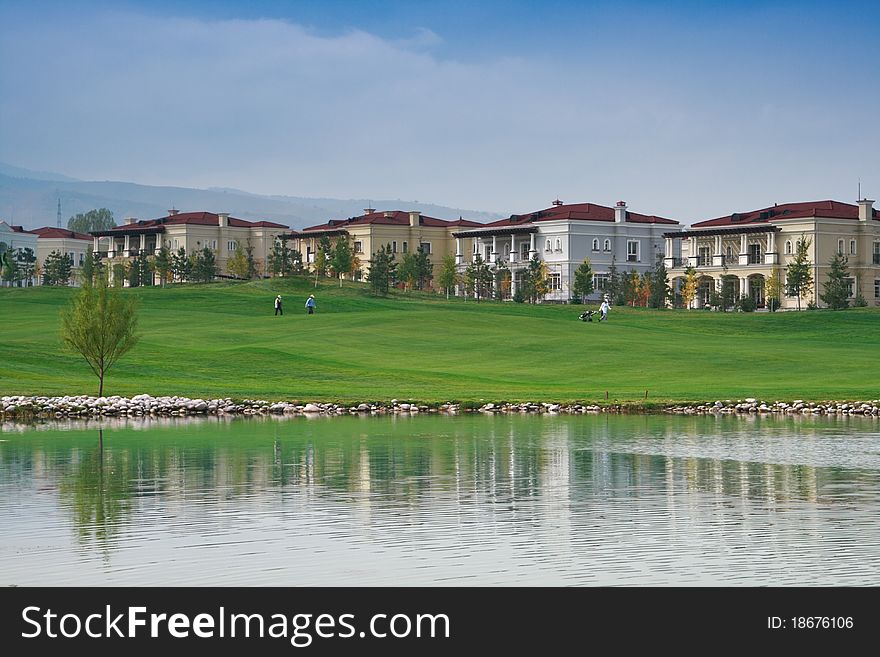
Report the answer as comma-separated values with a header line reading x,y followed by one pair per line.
x,y
674,263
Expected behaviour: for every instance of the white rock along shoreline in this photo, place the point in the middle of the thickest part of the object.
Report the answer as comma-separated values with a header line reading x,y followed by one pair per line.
x,y
86,407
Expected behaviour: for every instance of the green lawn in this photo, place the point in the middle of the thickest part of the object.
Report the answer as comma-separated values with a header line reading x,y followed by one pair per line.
x,y
223,340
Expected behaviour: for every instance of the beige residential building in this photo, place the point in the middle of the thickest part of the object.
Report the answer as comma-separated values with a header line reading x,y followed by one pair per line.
x,y
192,231
749,245
60,240
16,239
402,232
42,242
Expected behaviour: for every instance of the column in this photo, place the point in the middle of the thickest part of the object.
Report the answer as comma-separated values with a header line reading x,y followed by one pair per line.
x,y
494,256
95,244
718,245
771,243
744,288
531,244
458,256
512,254
669,250
127,244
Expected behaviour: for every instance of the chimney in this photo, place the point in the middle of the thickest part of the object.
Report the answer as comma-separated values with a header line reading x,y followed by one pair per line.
x,y
414,218
130,220
172,212
223,219
369,210
388,214
620,212
866,209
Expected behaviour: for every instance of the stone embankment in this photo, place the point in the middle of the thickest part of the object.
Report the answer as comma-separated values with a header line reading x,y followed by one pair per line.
x,y
796,407
23,407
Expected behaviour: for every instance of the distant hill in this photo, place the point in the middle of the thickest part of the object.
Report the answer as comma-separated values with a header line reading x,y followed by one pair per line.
x,y
31,198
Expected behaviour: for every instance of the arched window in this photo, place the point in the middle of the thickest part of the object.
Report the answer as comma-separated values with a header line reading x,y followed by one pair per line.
x,y
729,252
595,245
558,244
607,246
547,246
787,247
506,249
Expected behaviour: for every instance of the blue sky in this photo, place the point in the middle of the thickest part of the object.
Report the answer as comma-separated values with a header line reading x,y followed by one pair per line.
x,y
684,109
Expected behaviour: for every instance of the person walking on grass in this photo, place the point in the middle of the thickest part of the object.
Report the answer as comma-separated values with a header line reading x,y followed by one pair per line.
x,y
278,309
603,309
310,304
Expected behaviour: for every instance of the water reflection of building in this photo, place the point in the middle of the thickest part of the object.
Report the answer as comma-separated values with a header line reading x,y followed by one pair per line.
x,y
473,471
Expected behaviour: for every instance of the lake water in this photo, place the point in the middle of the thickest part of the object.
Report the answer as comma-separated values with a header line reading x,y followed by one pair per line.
x,y
469,500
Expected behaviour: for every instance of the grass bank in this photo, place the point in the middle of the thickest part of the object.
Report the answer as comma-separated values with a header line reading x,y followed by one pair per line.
x,y
223,340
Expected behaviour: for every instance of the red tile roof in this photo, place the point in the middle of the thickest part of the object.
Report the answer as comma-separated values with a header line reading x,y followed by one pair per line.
x,y
195,218
829,209
20,229
59,233
396,218
579,212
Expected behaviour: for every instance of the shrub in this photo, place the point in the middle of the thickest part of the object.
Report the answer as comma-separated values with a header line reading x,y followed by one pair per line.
x,y
746,304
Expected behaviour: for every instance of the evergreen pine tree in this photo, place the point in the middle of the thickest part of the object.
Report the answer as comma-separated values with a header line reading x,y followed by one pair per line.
x,y
836,293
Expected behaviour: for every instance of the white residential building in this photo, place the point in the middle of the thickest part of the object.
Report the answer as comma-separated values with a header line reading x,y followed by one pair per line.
x,y
563,236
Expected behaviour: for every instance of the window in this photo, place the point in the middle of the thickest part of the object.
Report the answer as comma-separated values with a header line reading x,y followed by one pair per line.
x,y
558,244
82,259
358,247
600,282
702,256
852,247
555,281
877,253
406,247
595,245
632,251
839,247
231,245
547,246
425,247
394,246
787,247
607,246
754,254
524,251
176,244
851,286
506,249
70,256
877,288
729,253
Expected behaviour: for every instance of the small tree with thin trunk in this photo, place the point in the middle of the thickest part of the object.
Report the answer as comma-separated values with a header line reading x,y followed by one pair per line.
x,y
340,260
448,276
798,276
773,289
100,326
583,281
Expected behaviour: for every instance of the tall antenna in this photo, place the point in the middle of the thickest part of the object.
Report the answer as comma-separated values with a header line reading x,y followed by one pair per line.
x,y
859,197
58,216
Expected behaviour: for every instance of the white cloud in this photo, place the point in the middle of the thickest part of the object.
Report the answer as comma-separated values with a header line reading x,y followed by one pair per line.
x,y
273,107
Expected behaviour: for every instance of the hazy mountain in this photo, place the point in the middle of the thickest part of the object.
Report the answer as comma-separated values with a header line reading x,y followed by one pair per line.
x,y
31,199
